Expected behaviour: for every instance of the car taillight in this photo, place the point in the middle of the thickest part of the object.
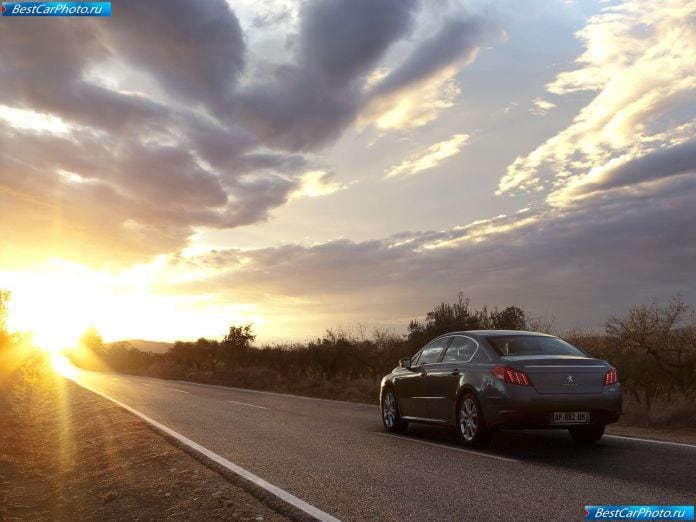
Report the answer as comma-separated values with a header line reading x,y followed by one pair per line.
x,y
511,376
611,377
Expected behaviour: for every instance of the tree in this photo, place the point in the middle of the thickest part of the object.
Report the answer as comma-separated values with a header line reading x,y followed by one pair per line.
x,y
92,340
5,296
5,337
209,352
460,316
236,344
444,318
187,354
240,336
657,347
510,318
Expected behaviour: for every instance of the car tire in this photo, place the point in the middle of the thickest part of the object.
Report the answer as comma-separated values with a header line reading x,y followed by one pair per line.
x,y
470,422
587,434
391,418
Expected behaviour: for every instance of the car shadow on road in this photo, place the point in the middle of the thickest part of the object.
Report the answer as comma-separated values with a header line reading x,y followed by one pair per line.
x,y
659,465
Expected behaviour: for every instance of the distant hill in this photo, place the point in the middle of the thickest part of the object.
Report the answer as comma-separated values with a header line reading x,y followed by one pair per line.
x,y
145,346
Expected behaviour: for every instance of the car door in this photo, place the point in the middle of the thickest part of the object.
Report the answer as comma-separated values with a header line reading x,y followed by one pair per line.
x,y
405,385
443,380
414,391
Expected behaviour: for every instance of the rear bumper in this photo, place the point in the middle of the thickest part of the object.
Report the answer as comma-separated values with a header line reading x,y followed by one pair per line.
x,y
522,407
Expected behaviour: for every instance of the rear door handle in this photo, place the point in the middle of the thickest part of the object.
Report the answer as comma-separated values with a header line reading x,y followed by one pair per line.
x,y
455,373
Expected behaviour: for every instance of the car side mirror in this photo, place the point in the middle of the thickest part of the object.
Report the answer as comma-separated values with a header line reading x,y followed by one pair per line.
x,y
405,362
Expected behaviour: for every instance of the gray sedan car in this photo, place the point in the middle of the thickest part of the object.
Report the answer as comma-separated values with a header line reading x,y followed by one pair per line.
x,y
481,380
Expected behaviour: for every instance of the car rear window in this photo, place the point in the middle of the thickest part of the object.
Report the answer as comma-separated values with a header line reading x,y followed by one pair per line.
x,y
512,345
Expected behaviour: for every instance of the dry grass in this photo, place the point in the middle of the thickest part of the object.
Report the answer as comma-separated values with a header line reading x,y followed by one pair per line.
x,y
361,389
66,454
680,412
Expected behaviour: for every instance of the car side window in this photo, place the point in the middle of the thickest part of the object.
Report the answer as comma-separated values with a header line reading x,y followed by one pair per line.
x,y
414,359
462,349
431,353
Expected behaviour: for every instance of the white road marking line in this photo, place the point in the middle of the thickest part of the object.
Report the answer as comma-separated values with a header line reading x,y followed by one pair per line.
x,y
246,404
375,406
180,391
681,444
445,446
234,468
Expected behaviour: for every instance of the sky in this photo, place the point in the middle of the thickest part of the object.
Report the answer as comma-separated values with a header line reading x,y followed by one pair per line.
x,y
178,168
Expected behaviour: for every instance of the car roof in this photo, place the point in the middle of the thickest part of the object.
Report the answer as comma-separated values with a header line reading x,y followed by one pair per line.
x,y
496,333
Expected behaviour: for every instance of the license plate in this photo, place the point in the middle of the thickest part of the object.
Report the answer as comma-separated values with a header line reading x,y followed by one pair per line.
x,y
570,417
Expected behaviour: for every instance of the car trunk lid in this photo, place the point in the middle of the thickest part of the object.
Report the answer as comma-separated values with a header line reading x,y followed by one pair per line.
x,y
562,374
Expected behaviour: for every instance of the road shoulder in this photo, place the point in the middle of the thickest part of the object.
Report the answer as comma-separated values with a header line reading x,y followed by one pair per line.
x,y
677,435
68,454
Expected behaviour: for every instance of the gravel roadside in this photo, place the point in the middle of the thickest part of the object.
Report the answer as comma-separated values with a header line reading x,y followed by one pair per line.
x,y
68,454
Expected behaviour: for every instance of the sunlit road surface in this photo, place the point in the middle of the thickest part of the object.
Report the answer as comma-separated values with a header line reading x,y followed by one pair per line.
x,y
337,457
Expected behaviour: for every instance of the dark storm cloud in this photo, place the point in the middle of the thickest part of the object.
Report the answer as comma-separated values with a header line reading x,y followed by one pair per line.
x,y
308,103
142,185
280,162
342,39
656,165
616,250
255,197
194,145
294,113
169,175
116,214
458,40
196,52
41,69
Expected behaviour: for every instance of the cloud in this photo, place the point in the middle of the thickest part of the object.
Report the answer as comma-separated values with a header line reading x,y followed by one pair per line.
x,y
430,157
541,106
305,104
340,40
414,106
457,42
332,81
30,120
103,174
254,197
423,85
317,183
170,47
639,62
579,264
658,165
139,130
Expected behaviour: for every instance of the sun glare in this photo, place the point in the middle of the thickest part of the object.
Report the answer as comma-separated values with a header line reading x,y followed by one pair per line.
x,y
62,365
56,334
59,301
55,307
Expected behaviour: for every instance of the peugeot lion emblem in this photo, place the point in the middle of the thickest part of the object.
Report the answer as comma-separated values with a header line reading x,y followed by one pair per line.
x,y
569,379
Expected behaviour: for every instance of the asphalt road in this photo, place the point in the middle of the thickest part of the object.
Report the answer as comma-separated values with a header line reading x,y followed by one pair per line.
x,y
337,457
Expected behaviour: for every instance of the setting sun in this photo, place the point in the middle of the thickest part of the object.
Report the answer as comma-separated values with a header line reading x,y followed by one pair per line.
x,y
56,305
58,301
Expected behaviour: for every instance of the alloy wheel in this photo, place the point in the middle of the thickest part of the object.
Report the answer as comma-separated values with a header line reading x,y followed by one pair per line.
x,y
468,419
389,409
